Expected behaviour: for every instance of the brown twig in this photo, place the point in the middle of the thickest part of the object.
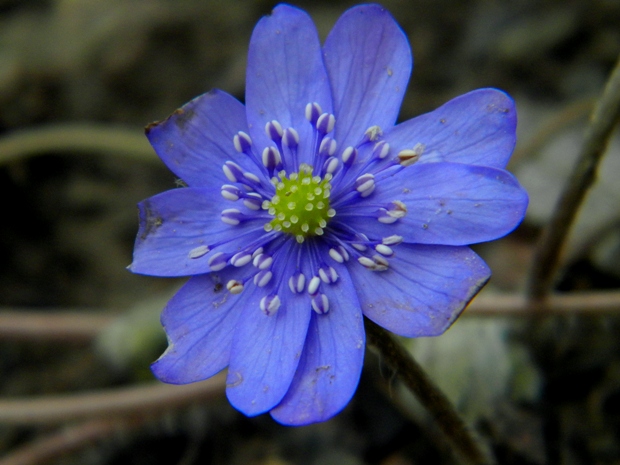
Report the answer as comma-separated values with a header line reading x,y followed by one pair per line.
x,y
604,118
60,325
53,446
124,402
429,395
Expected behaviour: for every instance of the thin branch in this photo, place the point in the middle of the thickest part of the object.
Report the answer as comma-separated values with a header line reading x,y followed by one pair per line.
x,y
72,138
124,402
605,117
56,445
61,325
429,395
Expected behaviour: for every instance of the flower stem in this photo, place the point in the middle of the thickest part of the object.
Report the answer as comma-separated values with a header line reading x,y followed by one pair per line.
x,y
603,120
435,401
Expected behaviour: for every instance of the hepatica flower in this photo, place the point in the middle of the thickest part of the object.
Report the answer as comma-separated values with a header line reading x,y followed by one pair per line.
x,y
308,208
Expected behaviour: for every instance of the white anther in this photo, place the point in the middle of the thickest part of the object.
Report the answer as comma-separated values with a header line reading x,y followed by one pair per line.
x,y
344,253
366,262
360,247
392,240
313,285
398,210
230,192
384,250
336,255
326,123
328,275
242,142
349,155
217,261
320,304
328,146
365,184
290,138
234,286
376,263
251,177
270,304
257,252
380,260
262,261
381,149
297,283
198,252
262,278
241,259
273,129
331,165
231,216
231,170
313,111
253,201
408,157
373,133
271,157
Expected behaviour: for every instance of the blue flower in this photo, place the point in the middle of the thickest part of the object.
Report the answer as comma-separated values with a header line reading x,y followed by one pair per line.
x,y
308,208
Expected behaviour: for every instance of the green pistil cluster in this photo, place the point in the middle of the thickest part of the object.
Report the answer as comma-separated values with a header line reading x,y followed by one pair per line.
x,y
301,204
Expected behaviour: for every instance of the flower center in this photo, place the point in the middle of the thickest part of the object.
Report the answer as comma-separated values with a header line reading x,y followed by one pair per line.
x,y
301,204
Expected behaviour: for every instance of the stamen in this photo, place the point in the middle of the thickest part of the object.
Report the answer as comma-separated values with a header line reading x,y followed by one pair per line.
x,y
313,285
333,253
241,259
271,158
274,131
325,124
377,263
291,138
234,286
232,216
392,240
262,261
320,304
348,156
328,275
218,261
230,192
381,150
262,278
232,171
198,252
384,250
373,133
365,184
297,283
253,201
270,304
408,157
242,142
330,165
313,111
328,147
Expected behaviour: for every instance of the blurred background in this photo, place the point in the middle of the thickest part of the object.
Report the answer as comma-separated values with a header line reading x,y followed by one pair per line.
x,y
79,79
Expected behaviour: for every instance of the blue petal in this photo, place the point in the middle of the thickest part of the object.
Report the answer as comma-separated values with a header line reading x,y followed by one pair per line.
x,y
478,128
196,140
369,62
266,349
200,321
285,72
177,222
331,362
424,289
447,203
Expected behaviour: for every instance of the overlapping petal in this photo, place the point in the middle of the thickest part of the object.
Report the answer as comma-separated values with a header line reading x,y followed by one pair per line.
x,y
177,223
267,348
447,203
285,72
476,128
369,62
331,362
196,140
424,289
200,321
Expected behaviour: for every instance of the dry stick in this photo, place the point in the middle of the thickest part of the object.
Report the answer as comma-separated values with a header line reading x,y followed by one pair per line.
x,y
124,402
604,118
429,395
61,325
70,137
60,443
